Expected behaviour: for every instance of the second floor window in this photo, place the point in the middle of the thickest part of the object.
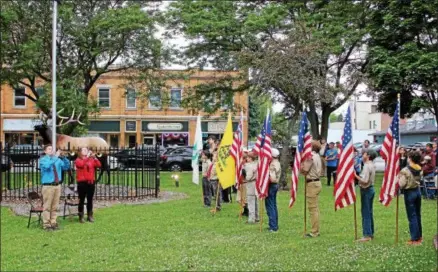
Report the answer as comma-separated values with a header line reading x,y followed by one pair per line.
x,y
131,102
104,97
154,100
175,98
19,98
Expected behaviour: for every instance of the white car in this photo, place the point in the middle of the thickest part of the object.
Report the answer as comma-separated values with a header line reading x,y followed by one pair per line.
x,y
379,164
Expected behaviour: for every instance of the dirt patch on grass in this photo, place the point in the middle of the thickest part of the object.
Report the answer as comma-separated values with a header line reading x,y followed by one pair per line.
x,y
22,207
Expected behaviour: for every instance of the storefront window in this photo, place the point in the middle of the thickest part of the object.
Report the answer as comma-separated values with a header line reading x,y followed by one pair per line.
x,y
114,140
19,138
173,139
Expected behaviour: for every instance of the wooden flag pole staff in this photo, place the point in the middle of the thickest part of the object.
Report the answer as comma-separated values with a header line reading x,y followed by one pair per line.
x,y
355,221
261,214
396,220
305,205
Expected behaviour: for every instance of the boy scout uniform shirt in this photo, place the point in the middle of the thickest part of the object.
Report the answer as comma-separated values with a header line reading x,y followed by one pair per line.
x,y
274,171
368,174
407,180
213,175
251,171
205,165
315,169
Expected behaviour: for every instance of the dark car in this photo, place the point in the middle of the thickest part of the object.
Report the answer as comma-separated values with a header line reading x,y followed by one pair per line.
x,y
5,163
139,157
24,154
177,159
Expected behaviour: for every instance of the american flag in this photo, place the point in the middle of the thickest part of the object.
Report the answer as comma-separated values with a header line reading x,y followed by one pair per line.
x,y
344,187
263,146
304,151
236,151
390,154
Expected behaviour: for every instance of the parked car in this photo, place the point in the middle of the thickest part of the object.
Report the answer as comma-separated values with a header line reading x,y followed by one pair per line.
x,y
143,156
177,159
379,164
5,163
417,146
25,154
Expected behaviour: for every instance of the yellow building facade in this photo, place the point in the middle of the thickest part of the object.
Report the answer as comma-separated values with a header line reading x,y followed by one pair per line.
x,y
125,120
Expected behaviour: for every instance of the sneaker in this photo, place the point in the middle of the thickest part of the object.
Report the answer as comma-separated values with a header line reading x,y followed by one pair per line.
x,y
207,206
273,231
48,229
311,235
364,239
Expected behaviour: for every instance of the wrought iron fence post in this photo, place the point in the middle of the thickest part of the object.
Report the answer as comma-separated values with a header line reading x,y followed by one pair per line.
x,y
157,170
135,168
1,173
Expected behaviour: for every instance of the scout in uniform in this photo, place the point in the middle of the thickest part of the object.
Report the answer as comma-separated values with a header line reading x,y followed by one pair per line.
x,y
241,193
206,188
250,179
214,181
311,168
271,199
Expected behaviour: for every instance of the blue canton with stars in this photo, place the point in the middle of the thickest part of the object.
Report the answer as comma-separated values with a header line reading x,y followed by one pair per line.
x,y
395,124
302,132
266,130
346,138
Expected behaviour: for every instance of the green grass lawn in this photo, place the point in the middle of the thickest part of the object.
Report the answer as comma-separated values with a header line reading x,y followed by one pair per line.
x,y
182,235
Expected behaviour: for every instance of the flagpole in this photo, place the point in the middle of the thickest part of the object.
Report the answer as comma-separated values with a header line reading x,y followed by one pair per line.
x,y
54,35
217,199
261,214
397,206
355,220
305,205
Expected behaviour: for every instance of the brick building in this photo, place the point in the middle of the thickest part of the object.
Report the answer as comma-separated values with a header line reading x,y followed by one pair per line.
x,y
125,120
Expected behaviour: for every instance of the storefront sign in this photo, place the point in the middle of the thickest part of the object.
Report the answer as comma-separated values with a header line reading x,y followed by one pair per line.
x,y
216,127
20,124
131,126
104,126
165,126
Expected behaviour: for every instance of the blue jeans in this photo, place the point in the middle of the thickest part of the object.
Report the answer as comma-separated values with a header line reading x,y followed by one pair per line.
x,y
271,206
366,199
413,210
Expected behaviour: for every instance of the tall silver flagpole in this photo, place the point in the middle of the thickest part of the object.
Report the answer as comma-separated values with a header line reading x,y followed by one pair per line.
x,y
54,35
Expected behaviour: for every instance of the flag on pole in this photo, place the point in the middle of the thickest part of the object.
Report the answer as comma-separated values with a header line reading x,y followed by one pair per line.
x,y
226,167
304,151
263,146
390,154
344,187
237,151
197,149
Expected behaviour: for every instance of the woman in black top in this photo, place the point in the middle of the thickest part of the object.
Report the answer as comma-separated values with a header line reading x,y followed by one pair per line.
x,y
403,158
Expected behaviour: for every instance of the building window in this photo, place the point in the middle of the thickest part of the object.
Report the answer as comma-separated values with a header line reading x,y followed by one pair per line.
x,y
131,102
131,126
374,124
370,125
155,100
175,98
114,140
373,108
19,98
104,97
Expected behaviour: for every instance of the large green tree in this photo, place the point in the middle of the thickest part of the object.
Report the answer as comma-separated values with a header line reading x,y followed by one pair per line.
x,y
404,54
95,37
246,35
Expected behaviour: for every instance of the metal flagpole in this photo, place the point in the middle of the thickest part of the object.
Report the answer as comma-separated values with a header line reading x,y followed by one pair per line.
x,y
399,144
54,35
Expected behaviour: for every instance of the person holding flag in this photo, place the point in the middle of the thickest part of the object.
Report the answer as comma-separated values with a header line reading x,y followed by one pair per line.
x,y
311,169
206,187
271,199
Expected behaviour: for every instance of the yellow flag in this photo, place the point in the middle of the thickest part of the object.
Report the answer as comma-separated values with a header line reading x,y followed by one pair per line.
x,y
225,166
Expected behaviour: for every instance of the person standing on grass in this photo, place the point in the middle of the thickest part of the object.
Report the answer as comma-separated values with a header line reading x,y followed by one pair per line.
x,y
52,164
366,184
250,179
206,188
271,199
86,165
311,169
332,163
324,147
409,181
403,161
242,197
214,181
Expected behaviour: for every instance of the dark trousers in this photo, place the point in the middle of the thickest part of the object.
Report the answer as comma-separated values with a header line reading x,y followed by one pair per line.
x,y
331,170
215,187
206,191
271,206
366,199
413,210
86,190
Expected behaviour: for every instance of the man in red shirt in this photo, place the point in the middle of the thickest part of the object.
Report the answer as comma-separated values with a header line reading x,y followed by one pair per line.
x,y
428,165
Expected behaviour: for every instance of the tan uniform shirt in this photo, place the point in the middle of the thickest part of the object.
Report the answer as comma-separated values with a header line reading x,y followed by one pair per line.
x,y
274,171
407,180
368,175
251,171
213,175
316,167
205,165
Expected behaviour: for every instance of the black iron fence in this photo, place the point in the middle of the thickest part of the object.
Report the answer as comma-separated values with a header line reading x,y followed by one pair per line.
x,y
125,173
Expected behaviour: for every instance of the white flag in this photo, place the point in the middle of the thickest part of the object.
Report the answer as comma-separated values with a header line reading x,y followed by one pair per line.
x,y
197,148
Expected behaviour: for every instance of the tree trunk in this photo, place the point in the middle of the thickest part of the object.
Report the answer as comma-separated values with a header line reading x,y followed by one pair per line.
x,y
285,157
325,119
312,115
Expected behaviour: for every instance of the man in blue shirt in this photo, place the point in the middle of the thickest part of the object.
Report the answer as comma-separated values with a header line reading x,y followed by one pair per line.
x,y
51,165
331,157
